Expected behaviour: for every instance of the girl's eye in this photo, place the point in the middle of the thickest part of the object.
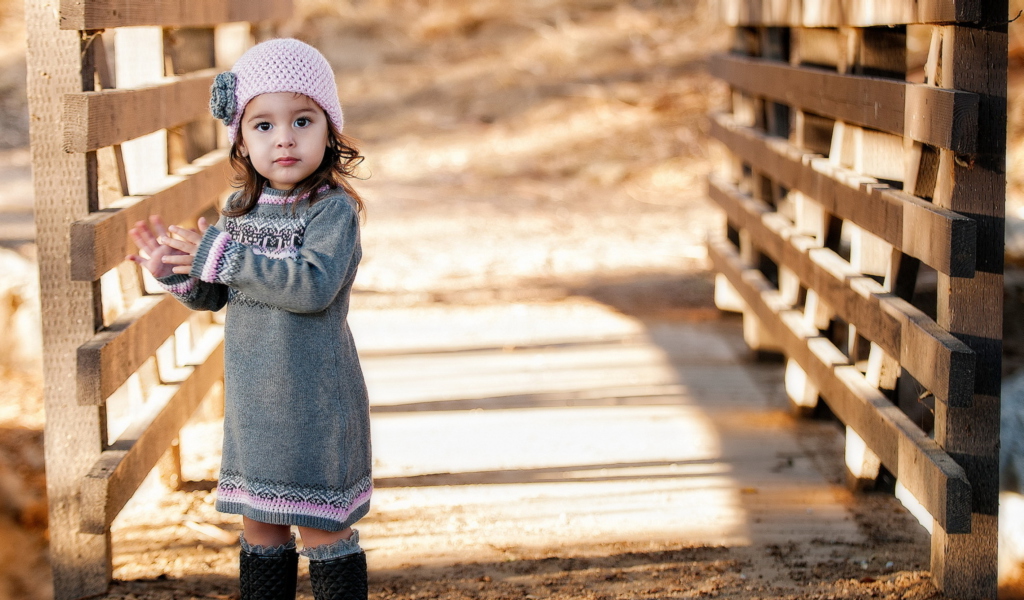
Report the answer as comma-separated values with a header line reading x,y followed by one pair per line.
x,y
264,126
302,122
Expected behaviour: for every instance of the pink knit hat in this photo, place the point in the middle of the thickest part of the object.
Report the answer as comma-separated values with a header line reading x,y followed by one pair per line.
x,y
281,65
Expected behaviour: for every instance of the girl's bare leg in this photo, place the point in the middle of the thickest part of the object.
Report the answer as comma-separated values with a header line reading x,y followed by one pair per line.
x,y
337,565
312,538
265,534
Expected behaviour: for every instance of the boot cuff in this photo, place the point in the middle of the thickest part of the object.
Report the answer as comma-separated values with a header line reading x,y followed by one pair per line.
x,y
267,550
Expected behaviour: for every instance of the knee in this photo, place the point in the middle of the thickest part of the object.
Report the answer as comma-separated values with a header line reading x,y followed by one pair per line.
x,y
318,537
265,534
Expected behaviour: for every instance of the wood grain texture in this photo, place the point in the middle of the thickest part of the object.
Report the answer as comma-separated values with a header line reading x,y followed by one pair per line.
x,y
187,50
119,471
939,117
100,241
95,120
974,58
107,360
63,193
942,239
106,14
941,362
838,13
920,464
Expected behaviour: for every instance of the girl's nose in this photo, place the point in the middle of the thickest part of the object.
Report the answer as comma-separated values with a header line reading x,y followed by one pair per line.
x,y
285,140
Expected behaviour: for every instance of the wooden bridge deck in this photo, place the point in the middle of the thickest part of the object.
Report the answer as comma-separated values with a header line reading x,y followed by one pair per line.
x,y
507,435
569,424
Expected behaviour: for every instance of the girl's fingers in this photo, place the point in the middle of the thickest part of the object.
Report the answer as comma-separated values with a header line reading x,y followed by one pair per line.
x,y
158,225
182,270
142,236
177,259
203,225
186,247
186,234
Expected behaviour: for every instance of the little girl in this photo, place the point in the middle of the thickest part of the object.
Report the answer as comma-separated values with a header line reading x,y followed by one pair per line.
x,y
282,258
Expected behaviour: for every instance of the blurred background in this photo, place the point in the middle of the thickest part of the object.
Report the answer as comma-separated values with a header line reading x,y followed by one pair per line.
x,y
515,151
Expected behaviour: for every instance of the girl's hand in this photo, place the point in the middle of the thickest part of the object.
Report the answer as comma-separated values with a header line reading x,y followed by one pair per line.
x,y
156,256
151,252
184,246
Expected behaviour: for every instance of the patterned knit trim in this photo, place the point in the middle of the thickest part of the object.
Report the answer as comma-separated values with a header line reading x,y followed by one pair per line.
x,y
182,288
229,264
272,196
240,299
278,253
338,549
258,550
289,499
213,260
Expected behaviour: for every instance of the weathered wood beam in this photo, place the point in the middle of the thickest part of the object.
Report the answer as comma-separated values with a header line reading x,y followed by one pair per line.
x,y
926,114
94,120
120,469
942,239
64,187
100,241
941,362
836,13
107,360
934,478
105,14
974,58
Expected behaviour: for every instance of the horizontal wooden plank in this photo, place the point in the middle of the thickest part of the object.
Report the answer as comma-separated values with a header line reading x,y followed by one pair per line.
x,y
924,468
100,242
936,358
837,13
106,14
926,114
942,239
107,360
120,469
94,120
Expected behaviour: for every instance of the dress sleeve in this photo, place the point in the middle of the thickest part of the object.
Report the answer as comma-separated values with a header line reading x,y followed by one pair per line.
x,y
193,293
306,283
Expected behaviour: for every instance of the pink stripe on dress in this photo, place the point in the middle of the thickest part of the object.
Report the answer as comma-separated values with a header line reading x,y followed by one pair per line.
x,y
212,266
304,508
266,198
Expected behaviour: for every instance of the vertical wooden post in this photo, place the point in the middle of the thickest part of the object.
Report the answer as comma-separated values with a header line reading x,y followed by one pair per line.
x,y
64,191
974,60
808,220
185,50
140,61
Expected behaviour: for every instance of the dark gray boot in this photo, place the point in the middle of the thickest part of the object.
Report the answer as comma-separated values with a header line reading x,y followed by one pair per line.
x,y
338,571
268,574
342,578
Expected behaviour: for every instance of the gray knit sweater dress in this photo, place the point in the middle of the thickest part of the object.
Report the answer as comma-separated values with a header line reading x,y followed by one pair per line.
x,y
296,423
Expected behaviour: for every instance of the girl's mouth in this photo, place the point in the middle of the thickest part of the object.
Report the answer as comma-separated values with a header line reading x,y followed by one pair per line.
x,y
286,161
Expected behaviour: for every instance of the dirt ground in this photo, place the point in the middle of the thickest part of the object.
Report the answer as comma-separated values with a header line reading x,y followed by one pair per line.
x,y
515,152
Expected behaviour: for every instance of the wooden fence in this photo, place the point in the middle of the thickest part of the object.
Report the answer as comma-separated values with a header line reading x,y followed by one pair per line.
x,y
120,129
864,193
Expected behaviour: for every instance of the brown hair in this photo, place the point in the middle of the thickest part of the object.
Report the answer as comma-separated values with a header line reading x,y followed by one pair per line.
x,y
338,166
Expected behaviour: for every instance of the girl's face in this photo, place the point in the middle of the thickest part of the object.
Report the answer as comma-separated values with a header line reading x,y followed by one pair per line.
x,y
284,134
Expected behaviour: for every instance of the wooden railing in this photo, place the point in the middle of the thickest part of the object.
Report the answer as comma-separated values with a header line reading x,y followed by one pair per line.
x,y
120,130
864,191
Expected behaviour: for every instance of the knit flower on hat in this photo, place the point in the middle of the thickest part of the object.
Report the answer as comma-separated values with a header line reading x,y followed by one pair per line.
x,y
222,97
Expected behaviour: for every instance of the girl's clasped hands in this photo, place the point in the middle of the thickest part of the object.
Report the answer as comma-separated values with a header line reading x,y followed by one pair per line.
x,y
160,252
